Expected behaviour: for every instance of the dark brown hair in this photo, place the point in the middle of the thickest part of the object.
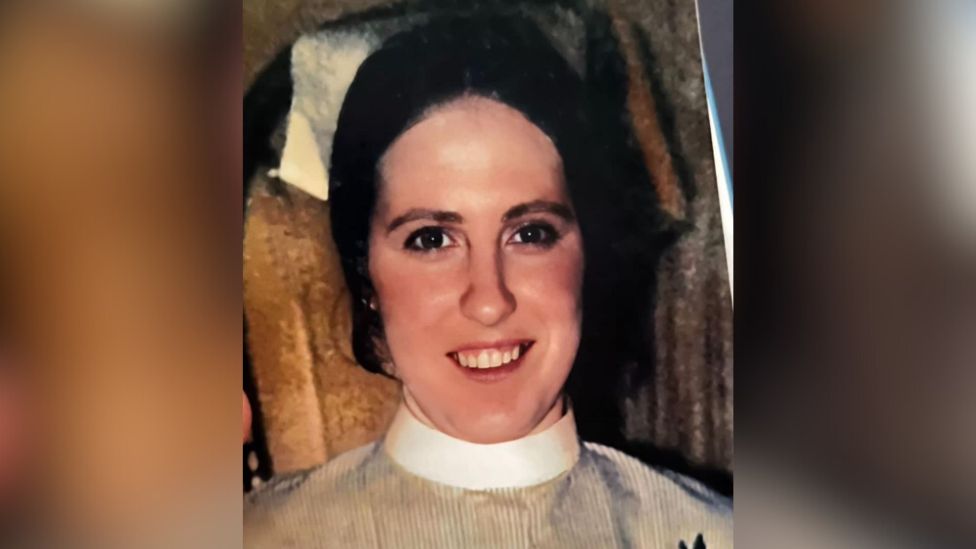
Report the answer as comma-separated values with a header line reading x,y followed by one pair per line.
x,y
510,60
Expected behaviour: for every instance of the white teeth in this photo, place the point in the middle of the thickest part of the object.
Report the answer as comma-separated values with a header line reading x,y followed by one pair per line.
x,y
488,358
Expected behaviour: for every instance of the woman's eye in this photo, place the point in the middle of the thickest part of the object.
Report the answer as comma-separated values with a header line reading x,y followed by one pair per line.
x,y
428,239
536,234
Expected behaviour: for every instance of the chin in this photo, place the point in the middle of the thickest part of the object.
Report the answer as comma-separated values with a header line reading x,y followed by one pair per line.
x,y
491,430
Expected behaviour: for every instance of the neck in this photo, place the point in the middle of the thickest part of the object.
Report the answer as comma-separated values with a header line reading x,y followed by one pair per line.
x,y
553,415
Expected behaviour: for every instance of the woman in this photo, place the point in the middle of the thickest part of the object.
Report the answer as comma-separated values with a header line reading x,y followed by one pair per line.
x,y
469,193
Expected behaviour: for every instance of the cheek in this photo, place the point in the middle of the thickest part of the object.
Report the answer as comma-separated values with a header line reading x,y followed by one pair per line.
x,y
422,292
420,299
413,295
549,286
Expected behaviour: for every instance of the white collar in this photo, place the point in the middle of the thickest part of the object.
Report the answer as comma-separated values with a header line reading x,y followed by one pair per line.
x,y
435,456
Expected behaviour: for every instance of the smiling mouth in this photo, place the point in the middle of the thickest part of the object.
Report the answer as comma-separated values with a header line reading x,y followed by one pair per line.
x,y
490,357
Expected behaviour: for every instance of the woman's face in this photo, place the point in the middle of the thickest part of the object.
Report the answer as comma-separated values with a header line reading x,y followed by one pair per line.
x,y
477,262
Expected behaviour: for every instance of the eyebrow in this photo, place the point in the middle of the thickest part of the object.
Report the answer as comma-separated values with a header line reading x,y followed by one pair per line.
x,y
540,206
441,216
420,213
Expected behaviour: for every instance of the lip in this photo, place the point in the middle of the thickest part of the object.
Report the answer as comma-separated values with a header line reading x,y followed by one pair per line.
x,y
479,345
498,373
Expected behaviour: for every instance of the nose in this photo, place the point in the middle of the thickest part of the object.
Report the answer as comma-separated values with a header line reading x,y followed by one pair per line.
x,y
487,300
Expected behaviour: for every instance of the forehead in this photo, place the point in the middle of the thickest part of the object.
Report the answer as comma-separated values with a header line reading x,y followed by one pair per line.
x,y
471,146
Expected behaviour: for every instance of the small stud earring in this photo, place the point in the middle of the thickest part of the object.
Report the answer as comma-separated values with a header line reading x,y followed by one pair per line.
x,y
372,304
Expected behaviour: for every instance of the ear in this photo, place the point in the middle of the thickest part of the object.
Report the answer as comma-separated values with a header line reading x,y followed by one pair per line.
x,y
381,350
387,366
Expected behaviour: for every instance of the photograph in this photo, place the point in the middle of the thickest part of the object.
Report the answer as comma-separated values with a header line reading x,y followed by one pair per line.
x,y
486,290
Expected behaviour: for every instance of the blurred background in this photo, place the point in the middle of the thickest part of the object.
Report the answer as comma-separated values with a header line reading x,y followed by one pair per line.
x,y
856,273
120,231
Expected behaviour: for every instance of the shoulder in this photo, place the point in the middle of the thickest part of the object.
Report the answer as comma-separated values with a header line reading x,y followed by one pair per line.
x,y
299,483
663,483
681,504
279,508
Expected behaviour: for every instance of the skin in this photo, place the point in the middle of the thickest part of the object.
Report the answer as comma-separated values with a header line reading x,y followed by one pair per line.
x,y
479,274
